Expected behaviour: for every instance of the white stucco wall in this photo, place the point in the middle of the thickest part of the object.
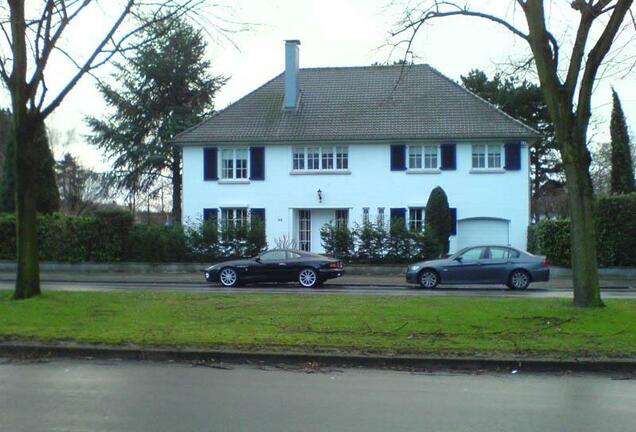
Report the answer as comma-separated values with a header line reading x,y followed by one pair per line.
x,y
370,183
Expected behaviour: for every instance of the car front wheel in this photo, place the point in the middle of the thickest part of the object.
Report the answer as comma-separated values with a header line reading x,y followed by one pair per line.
x,y
429,279
228,277
308,278
519,280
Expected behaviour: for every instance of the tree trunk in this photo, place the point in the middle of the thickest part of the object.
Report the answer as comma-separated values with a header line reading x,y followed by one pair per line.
x,y
176,186
31,147
576,162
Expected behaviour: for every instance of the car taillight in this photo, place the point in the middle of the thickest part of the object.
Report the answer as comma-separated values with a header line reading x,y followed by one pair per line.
x,y
545,263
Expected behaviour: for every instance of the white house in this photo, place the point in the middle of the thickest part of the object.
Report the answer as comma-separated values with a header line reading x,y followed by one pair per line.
x,y
343,144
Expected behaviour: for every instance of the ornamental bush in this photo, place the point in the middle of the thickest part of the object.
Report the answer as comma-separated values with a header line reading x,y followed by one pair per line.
x,y
615,217
112,236
616,230
370,241
337,241
552,239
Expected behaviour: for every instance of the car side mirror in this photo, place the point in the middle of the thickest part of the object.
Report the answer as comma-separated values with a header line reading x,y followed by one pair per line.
x,y
458,259
257,259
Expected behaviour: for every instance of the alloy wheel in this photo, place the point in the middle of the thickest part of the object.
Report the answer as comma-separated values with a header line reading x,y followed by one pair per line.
x,y
428,279
307,278
228,277
519,280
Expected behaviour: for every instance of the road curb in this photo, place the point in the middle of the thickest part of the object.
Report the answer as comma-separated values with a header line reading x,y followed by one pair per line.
x,y
315,360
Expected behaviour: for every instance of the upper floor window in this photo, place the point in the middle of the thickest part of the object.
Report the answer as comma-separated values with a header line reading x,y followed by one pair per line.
x,y
487,156
234,216
423,157
416,219
234,163
327,158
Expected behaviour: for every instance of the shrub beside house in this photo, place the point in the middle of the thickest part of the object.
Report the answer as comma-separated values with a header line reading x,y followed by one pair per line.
x,y
615,230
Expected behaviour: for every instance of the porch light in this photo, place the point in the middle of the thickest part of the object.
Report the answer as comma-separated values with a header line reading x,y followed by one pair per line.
x,y
319,195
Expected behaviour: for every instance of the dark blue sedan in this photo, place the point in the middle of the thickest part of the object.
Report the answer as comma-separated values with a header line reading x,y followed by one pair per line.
x,y
482,265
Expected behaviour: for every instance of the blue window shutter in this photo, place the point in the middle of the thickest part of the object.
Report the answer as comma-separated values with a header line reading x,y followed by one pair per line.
x,y
453,214
398,157
210,163
257,163
258,214
210,213
513,156
449,156
398,213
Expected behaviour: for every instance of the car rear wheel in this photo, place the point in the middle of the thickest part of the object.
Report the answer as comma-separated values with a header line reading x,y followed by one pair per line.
x,y
228,277
429,279
308,278
519,280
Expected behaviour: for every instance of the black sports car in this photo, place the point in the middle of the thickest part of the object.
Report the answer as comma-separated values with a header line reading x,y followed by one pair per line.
x,y
277,265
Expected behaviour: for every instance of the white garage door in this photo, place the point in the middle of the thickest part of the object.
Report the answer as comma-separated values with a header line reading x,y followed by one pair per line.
x,y
478,231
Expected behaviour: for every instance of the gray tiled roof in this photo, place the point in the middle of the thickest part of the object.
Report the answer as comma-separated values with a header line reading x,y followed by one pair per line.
x,y
360,103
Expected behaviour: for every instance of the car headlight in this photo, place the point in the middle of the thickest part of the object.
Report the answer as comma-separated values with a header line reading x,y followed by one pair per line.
x,y
415,267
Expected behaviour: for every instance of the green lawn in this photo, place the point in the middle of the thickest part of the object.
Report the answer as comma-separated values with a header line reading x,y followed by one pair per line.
x,y
414,325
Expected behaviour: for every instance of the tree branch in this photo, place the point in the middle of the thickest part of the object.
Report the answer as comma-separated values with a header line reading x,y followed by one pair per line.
x,y
596,57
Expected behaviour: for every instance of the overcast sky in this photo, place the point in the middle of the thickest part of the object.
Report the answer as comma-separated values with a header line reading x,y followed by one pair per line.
x,y
332,33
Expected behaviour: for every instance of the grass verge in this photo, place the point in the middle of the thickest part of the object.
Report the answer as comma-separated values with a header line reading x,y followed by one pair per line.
x,y
406,325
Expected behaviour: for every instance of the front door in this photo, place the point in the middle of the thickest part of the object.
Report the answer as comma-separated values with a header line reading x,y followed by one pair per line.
x,y
304,230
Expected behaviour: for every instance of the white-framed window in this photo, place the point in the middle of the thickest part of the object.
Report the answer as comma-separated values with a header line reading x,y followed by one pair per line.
x,y
304,230
327,158
324,158
342,157
430,156
234,216
299,158
416,218
381,216
486,156
365,215
234,163
342,218
313,158
423,156
415,157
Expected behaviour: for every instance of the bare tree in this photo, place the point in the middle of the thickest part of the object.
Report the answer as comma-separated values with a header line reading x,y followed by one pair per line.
x,y
32,35
568,94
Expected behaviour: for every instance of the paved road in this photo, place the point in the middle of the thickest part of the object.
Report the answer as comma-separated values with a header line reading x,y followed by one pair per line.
x,y
67,395
620,290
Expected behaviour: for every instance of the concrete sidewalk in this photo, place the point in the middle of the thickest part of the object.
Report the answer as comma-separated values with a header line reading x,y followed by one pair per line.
x,y
189,278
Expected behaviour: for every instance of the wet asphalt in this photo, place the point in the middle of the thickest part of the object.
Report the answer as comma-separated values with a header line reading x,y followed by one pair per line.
x,y
619,289
92,395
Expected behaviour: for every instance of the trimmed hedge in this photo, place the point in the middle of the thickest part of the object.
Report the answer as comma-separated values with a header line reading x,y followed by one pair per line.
x,y
372,243
615,230
111,236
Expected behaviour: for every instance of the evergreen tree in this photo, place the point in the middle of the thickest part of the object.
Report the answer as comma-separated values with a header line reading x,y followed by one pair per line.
x,y
165,88
437,217
622,172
